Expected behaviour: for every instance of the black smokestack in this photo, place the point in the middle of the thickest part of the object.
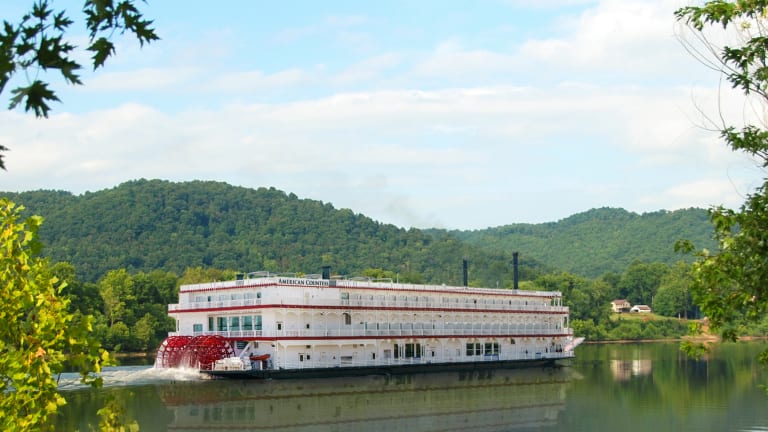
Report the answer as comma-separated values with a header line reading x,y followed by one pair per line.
x,y
515,273
326,272
464,267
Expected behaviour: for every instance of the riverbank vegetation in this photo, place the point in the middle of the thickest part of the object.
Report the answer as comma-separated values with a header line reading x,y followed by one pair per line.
x,y
130,310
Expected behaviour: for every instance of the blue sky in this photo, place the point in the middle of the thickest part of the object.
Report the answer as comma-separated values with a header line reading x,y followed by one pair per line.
x,y
418,113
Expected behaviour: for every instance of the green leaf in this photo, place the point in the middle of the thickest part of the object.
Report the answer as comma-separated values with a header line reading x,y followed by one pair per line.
x,y
35,97
102,49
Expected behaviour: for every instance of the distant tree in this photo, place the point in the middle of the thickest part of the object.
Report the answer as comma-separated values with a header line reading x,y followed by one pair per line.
x,y
640,282
730,282
119,337
195,275
379,273
673,298
39,42
116,289
588,300
37,332
144,332
84,297
157,286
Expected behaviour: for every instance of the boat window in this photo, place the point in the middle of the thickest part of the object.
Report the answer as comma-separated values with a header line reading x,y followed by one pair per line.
x,y
197,328
248,322
474,349
347,319
409,350
257,324
234,323
221,323
237,296
345,296
210,323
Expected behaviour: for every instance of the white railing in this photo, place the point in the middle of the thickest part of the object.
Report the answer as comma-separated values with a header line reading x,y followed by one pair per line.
x,y
367,304
213,304
363,333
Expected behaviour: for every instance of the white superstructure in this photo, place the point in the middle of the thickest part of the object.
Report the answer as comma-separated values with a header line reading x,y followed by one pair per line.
x,y
286,322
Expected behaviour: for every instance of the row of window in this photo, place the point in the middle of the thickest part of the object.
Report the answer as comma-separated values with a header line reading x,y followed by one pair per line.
x,y
228,297
232,323
445,300
476,349
409,350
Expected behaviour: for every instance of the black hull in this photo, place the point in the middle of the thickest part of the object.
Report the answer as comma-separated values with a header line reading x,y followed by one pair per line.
x,y
381,370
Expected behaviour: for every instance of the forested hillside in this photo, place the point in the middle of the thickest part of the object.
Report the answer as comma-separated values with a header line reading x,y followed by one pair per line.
x,y
599,241
148,225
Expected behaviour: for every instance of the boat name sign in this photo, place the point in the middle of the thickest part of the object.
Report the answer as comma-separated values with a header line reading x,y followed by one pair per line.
x,y
305,282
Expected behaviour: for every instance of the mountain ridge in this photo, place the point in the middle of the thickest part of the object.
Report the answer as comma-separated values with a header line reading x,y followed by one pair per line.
x,y
158,224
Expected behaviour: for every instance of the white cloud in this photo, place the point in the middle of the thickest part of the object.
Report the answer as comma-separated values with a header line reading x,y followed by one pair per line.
x,y
615,37
430,150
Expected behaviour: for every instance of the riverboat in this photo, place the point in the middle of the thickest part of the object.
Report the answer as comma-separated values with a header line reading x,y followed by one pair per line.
x,y
267,325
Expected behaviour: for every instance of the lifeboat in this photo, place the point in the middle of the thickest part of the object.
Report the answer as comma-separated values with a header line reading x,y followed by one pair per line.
x,y
262,357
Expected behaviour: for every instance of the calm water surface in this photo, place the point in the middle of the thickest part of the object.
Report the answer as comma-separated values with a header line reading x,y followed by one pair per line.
x,y
633,387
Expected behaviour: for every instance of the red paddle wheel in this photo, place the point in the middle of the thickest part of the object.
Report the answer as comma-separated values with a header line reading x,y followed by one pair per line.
x,y
171,351
194,352
205,350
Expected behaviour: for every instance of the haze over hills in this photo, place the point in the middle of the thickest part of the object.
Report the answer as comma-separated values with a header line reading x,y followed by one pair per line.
x,y
153,224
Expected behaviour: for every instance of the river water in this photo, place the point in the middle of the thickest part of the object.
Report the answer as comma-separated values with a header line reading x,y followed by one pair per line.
x,y
615,387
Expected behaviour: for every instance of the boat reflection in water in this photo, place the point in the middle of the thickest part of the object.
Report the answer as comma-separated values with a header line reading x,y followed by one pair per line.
x,y
489,400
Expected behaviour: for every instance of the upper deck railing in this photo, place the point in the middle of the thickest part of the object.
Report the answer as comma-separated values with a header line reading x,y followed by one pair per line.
x,y
383,285
499,331
370,304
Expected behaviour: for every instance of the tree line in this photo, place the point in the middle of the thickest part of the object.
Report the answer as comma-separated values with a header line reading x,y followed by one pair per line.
x,y
129,310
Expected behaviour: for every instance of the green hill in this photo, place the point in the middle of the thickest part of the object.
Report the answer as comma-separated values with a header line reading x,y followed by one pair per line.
x,y
600,240
145,225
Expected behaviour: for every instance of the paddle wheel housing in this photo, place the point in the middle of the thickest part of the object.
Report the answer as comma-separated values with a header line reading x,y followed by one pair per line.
x,y
199,352
171,351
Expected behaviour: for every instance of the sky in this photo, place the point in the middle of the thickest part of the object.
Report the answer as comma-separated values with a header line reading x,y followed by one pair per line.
x,y
445,114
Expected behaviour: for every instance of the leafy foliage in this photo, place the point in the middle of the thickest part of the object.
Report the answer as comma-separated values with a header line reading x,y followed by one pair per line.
x,y
38,43
729,282
37,333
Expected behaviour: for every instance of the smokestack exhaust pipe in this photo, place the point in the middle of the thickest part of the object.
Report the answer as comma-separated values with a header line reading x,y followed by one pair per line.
x,y
465,264
326,272
515,273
